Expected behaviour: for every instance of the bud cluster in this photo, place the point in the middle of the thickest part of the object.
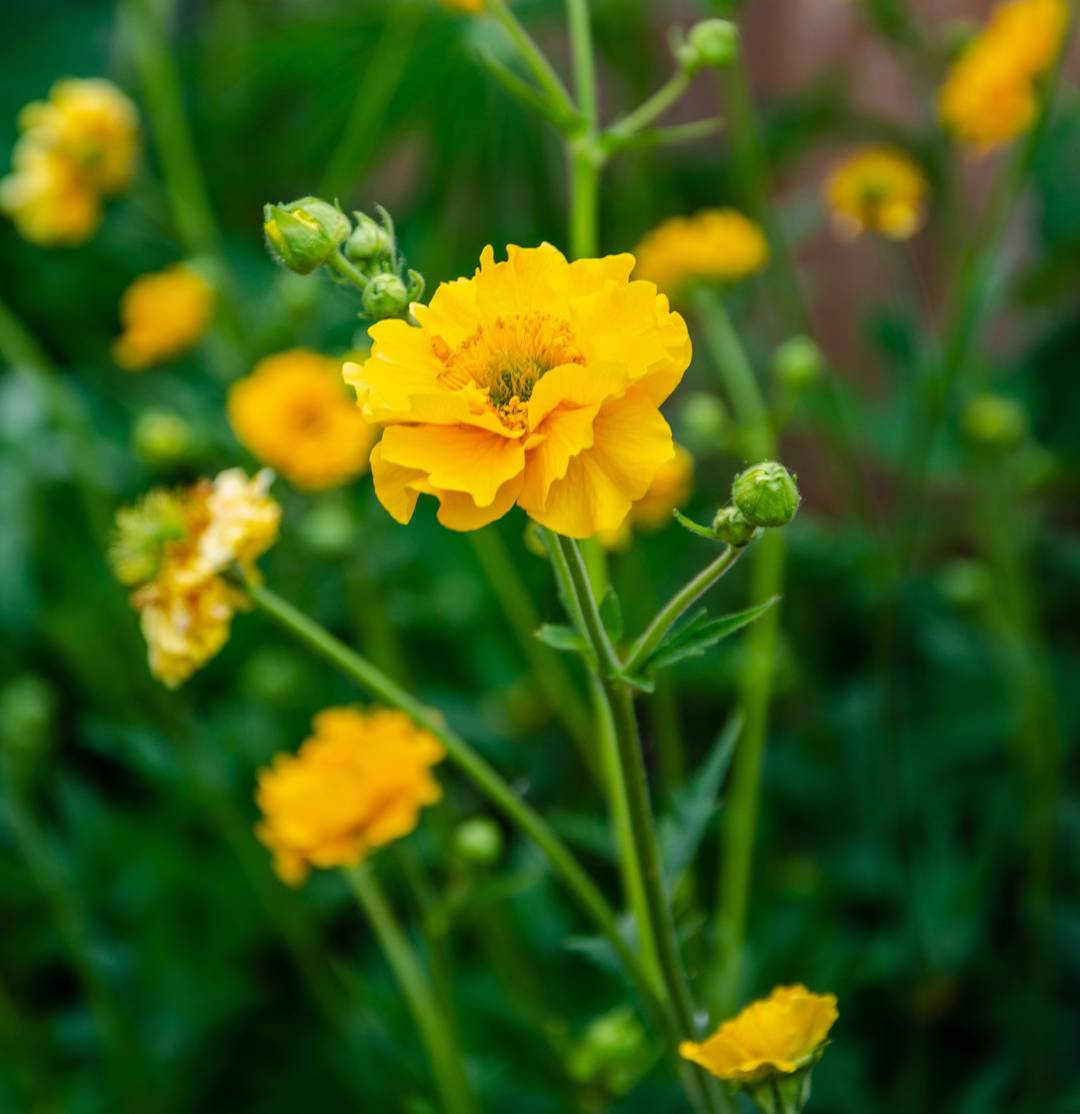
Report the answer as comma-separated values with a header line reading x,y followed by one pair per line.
x,y
762,496
310,233
712,42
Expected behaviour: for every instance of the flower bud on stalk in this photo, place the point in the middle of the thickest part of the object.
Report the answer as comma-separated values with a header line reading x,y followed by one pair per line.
x,y
27,725
798,363
369,242
162,439
304,234
765,494
479,840
385,296
712,42
732,528
995,423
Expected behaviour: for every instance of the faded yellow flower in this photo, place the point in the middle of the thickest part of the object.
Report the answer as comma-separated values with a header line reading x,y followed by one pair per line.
x,y
163,315
989,95
91,123
718,245
880,189
293,413
775,1035
357,783
536,382
173,546
669,490
48,197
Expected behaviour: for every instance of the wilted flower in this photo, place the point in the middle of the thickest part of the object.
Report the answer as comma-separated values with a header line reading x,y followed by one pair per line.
x,y
173,546
293,413
163,315
536,382
770,1047
877,189
715,245
357,783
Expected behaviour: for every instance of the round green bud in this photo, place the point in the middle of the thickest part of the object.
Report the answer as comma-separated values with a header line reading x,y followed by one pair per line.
x,y
798,363
27,723
329,529
965,583
612,1051
731,527
162,438
304,234
995,422
766,494
385,296
712,42
479,841
368,241
704,421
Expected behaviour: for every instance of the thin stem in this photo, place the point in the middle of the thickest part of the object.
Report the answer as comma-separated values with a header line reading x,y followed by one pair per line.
x,y
534,58
684,598
579,24
443,1053
663,137
347,270
652,108
483,776
586,165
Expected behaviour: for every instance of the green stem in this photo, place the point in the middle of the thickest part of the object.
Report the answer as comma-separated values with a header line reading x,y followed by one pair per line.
x,y
534,58
652,108
579,24
586,165
486,779
347,270
443,1054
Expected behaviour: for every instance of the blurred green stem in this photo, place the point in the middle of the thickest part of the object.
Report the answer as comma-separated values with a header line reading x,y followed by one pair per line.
x,y
541,69
445,1057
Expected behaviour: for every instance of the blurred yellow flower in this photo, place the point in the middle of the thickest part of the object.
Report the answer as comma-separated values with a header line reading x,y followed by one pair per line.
x,y
163,315
718,245
536,382
989,94
48,197
778,1034
293,413
879,189
357,783
172,548
669,490
472,7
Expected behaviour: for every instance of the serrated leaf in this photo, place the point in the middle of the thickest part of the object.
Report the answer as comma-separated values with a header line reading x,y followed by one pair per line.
x,y
700,633
695,804
562,638
611,614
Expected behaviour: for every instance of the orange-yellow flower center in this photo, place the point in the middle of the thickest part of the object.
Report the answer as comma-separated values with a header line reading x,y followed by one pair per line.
x,y
506,358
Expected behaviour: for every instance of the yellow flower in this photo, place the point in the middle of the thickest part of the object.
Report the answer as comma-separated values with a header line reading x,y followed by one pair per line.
x,y
879,189
174,546
718,245
293,413
163,315
471,7
669,490
989,95
91,123
357,783
48,197
536,382
778,1034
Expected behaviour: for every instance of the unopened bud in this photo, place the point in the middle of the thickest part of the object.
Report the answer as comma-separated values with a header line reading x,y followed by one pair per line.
x,y
798,363
27,721
304,234
766,494
965,583
329,529
704,421
162,438
479,841
732,528
995,422
712,42
385,296
368,241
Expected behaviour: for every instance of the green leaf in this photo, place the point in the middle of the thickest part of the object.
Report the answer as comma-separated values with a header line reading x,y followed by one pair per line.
x,y
700,633
695,804
558,637
611,614
694,527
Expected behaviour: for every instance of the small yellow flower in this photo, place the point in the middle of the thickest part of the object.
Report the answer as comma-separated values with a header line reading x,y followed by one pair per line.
x,y
536,382
93,124
172,547
775,1035
718,245
163,315
669,490
48,197
879,189
989,95
470,7
294,414
357,783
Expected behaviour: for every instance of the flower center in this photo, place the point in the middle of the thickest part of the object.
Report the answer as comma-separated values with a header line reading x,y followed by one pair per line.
x,y
507,357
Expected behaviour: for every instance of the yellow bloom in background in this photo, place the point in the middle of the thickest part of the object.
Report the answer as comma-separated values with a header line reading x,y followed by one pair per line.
x,y
472,7
93,124
717,245
293,413
877,189
357,783
989,95
163,315
48,197
537,382
172,548
776,1035
669,490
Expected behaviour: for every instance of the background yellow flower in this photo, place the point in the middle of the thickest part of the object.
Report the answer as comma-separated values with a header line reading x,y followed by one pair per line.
x,y
880,189
357,783
294,413
163,315
48,197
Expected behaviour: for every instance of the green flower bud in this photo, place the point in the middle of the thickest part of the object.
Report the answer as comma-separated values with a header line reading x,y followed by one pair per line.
x,y
965,583
479,840
385,296
732,528
798,363
712,42
369,241
766,494
704,421
27,724
995,422
304,234
329,529
613,1052
162,438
